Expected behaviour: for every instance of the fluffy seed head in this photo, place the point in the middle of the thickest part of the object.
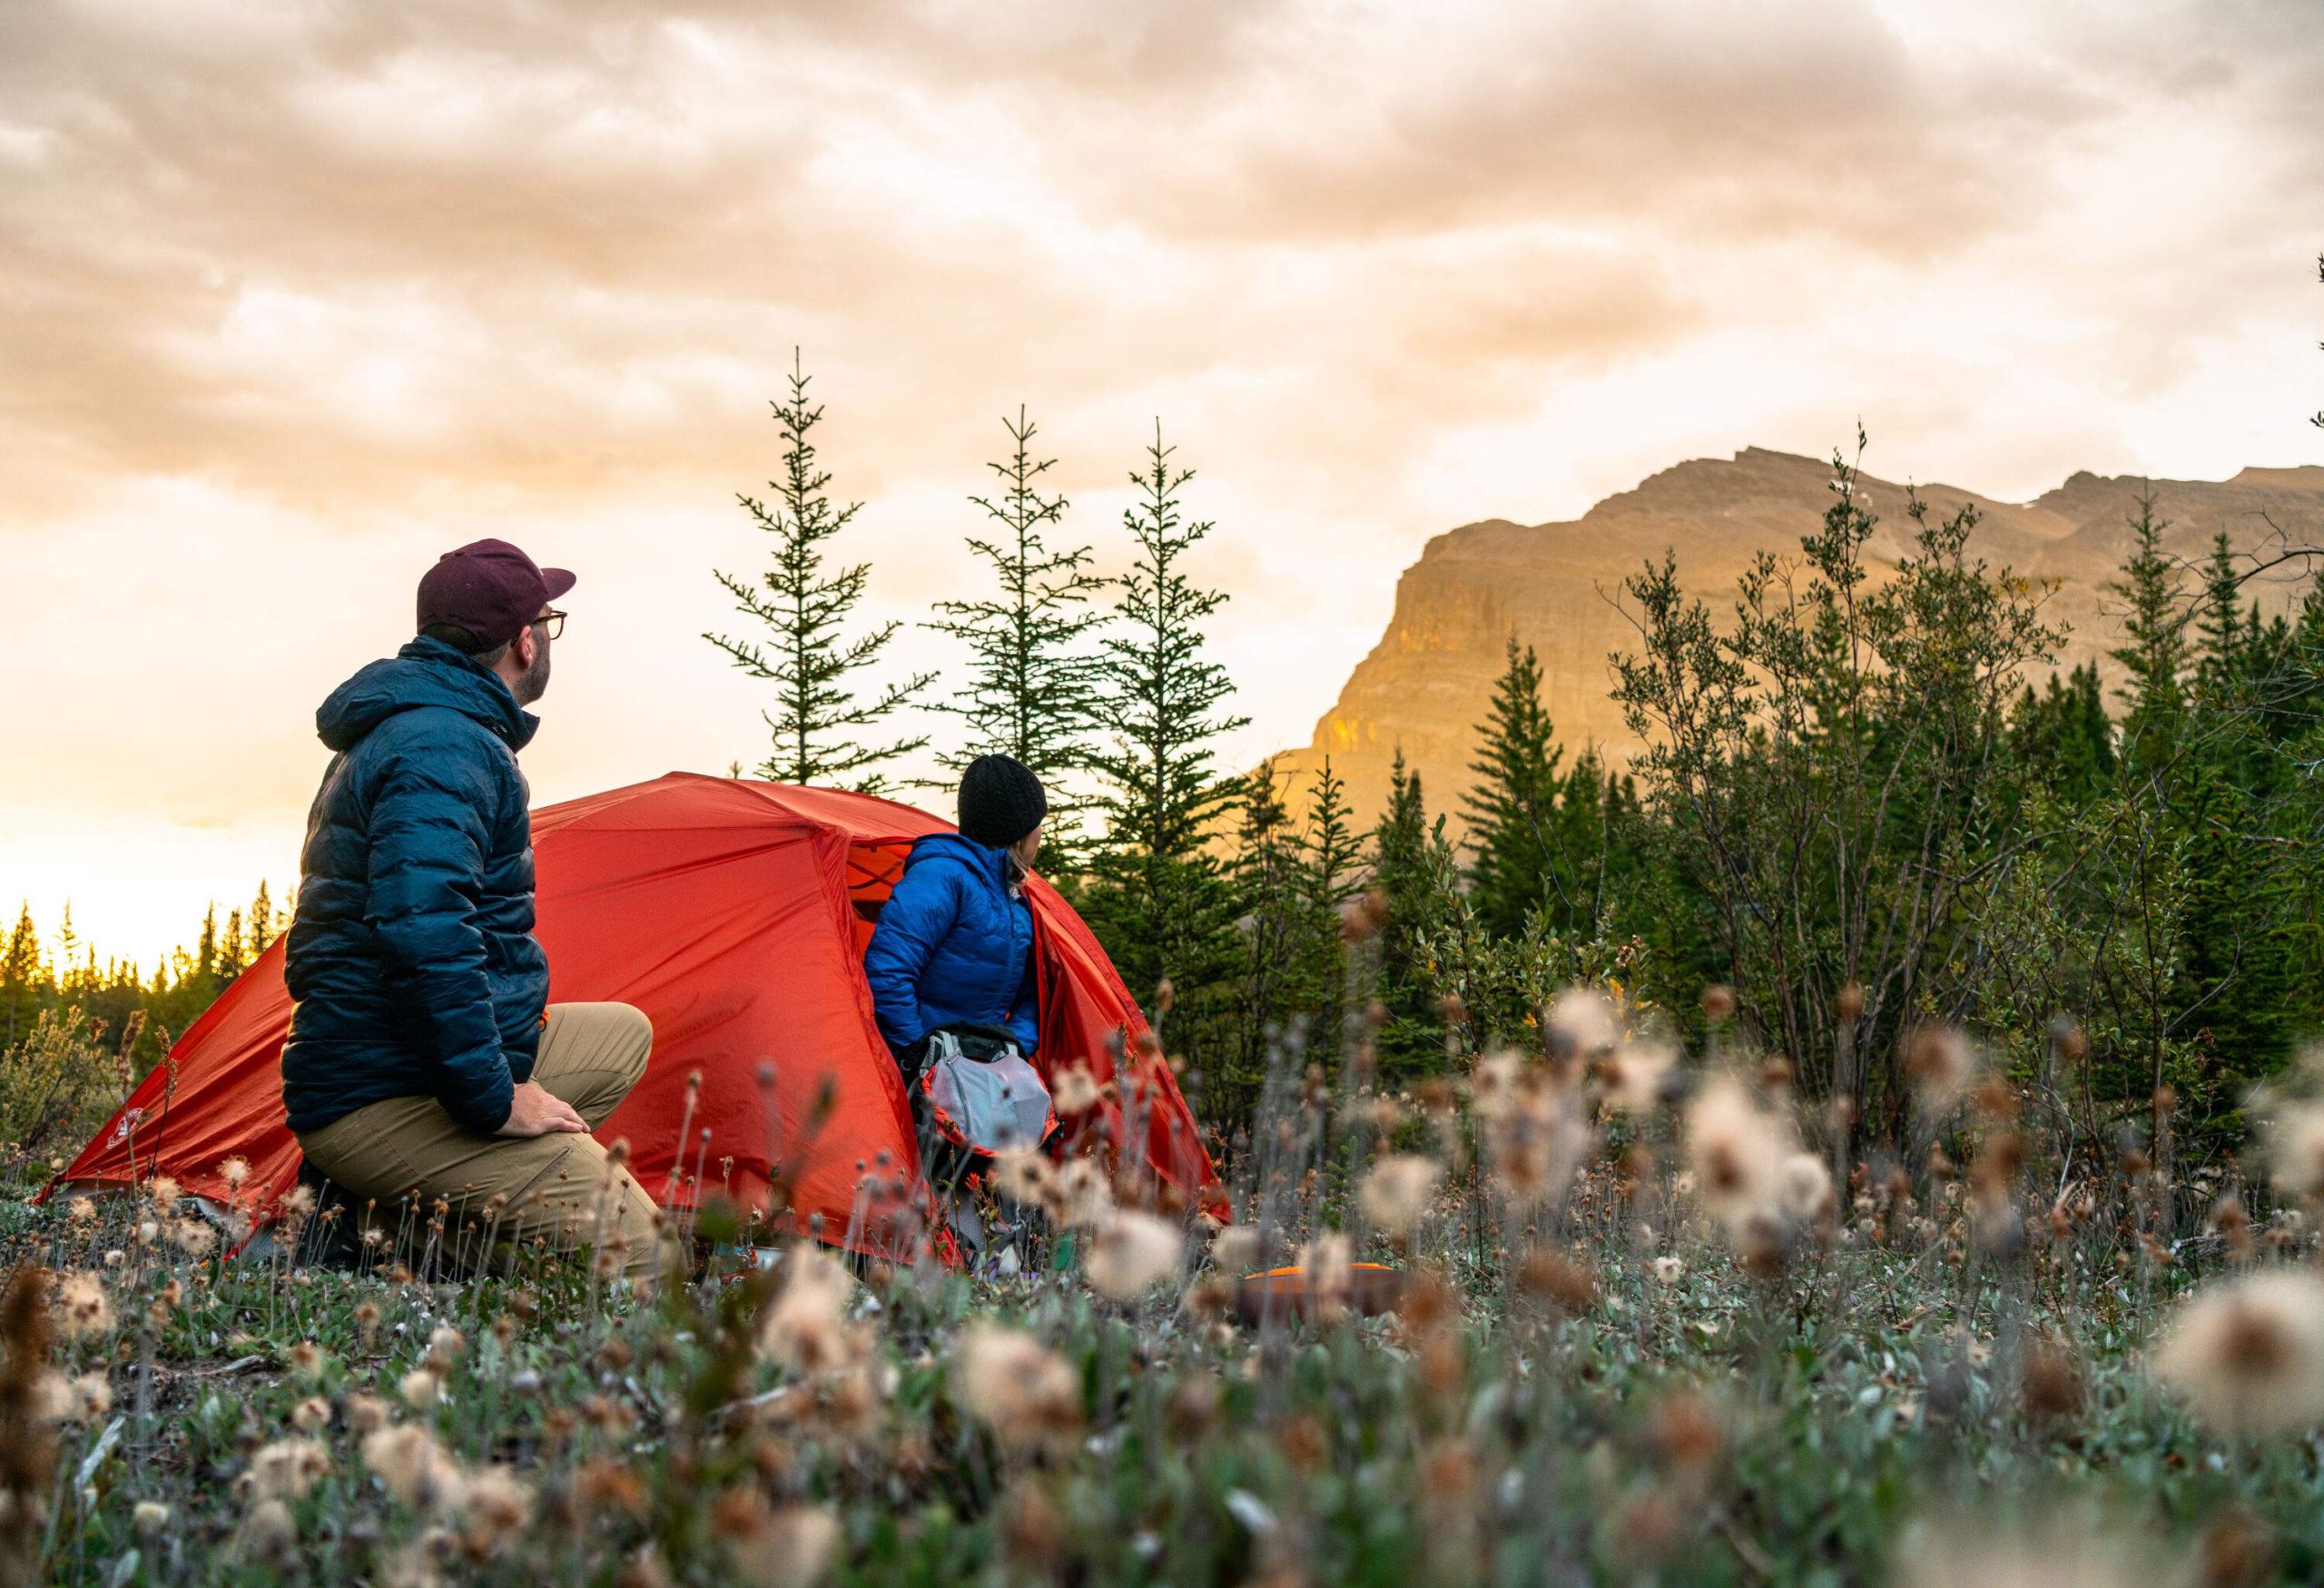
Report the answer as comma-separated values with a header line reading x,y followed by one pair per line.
x,y
1583,1022
2248,1353
805,1327
83,1306
1737,1151
414,1468
1396,1191
1016,1385
286,1469
1075,1090
1130,1253
2295,1152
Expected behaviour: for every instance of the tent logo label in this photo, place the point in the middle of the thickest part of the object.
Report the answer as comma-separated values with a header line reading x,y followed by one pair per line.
x,y
129,1118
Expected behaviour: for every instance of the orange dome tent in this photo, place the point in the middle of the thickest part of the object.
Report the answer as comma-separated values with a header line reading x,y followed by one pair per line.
x,y
736,914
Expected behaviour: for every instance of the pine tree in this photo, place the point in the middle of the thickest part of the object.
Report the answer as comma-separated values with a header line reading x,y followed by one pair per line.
x,y
1032,686
20,973
1162,904
1514,821
804,608
261,922
1413,870
2154,652
1280,970
1332,873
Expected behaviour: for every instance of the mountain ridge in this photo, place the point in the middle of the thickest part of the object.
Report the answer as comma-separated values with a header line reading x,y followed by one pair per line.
x,y
1556,585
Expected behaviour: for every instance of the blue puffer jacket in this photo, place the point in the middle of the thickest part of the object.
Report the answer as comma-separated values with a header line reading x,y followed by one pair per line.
x,y
952,947
413,954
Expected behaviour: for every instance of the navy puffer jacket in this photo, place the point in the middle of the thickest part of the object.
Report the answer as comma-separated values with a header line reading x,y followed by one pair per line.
x,y
412,953
952,947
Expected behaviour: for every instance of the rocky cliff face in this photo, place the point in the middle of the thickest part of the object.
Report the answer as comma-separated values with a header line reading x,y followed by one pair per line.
x,y
1558,587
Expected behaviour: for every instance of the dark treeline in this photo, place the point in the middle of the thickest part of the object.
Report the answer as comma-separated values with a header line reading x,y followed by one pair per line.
x,y
75,1030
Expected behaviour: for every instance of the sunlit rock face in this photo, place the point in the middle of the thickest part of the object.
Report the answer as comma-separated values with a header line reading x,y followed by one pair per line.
x,y
1558,588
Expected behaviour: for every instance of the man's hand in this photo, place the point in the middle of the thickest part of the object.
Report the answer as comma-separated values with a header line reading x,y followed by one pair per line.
x,y
536,1111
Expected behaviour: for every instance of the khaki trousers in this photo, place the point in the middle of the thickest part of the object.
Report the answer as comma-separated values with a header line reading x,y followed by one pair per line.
x,y
562,1190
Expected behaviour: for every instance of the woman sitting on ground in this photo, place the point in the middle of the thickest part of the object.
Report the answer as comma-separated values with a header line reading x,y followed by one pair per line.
x,y
954,946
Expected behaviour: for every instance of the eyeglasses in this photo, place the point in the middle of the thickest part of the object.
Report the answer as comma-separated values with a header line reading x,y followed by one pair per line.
x,y
551,623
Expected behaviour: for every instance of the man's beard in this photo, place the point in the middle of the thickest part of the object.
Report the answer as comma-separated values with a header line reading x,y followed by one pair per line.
x,y
534,683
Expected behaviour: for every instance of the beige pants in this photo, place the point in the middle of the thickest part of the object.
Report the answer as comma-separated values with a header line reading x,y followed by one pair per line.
x,y
562,1190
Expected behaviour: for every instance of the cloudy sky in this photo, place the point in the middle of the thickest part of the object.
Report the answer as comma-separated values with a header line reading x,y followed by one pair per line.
x,y
294,296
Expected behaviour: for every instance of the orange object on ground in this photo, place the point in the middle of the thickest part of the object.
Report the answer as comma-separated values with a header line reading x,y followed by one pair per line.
x,y
1371,1289
736,914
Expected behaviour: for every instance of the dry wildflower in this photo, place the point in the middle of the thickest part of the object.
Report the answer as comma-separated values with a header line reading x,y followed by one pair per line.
x,y
2295,1152
193,1237
1669,1269
496,1505
1583,1022
2051,1382
1016,1385
805,1327
79,1210
1685,1432
445,1344
1971,1553
164,1192
2238,1551
1130,1253
1079,1196
1323,1277
421,1388
1075,1090
414,1468
1535,1137
1805,1193
366,1413
92,1397
1234,1249
1029,1177
2232,1225
148,1518
1633,1076
269,1532
234,1171
1941,1063
311,1413
2248,1353
307,1360
1738,1152
1396,1191
82,1307
1493,1082
1561,1285
299,1203
790,1548
285,1470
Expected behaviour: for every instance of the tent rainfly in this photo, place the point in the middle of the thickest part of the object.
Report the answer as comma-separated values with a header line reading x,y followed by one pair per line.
x,y
736,914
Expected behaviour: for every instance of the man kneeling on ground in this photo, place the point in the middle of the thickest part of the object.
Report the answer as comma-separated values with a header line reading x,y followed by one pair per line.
x,y
423,1062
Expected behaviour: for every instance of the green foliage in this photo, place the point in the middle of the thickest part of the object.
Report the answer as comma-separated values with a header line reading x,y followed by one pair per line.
x,y
804,609
1833,767
1032,685
1161,896
1418,880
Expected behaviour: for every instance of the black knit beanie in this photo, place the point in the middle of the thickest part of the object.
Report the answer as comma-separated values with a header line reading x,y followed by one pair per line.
x,y
1000,801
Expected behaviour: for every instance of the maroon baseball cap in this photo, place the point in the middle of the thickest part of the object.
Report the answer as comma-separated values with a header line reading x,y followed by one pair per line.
x,y
489,588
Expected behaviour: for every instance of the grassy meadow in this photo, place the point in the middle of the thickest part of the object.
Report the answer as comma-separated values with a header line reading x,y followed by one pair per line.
x,y
1636,1334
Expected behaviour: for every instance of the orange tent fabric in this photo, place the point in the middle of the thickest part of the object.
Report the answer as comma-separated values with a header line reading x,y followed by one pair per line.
x,y
734,914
